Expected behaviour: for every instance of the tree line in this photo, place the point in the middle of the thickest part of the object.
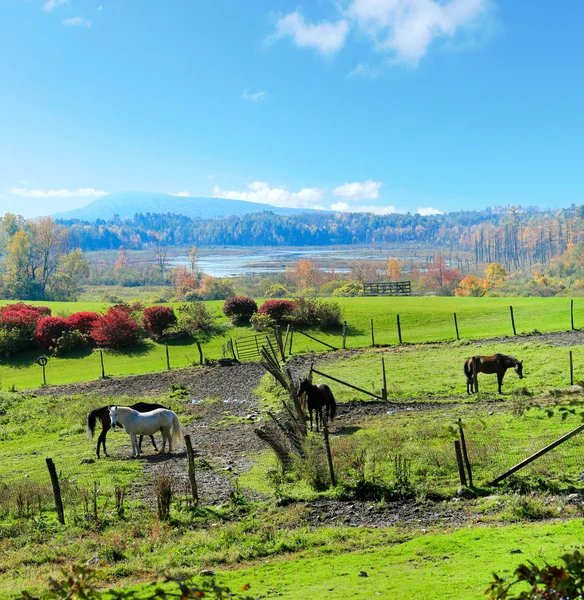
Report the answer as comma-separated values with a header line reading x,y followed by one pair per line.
x,y
516,237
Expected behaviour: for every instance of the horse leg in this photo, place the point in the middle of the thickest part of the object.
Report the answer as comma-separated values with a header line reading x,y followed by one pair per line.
x,y
163,448
310,413
135,449
500,375
140,442
153,443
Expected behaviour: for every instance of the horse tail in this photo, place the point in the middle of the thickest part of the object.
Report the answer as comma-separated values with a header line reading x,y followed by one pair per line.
x,y
91,420
176,432
333,406
466,368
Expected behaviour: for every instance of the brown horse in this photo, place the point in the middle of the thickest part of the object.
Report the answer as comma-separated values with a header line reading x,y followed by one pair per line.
x,y
103,415
497,363
318,397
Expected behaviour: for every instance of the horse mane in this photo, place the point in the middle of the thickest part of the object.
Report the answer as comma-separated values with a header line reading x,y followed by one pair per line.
x,y
510,360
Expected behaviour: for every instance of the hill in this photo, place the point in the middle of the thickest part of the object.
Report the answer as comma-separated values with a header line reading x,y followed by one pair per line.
x,y
127,204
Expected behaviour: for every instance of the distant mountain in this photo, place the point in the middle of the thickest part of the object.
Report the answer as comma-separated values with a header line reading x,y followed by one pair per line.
x,y
127,204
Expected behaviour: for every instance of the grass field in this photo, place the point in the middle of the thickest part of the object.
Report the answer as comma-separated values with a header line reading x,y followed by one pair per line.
x,y
427,319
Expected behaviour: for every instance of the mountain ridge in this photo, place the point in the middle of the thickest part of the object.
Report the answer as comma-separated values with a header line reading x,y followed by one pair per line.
x,y
127,204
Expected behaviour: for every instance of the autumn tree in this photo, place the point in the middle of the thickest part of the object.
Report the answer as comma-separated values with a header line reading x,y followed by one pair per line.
x,y
440,278
305,274
393,269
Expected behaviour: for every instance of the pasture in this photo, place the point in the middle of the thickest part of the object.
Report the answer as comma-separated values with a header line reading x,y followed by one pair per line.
x,y
423,320
395,513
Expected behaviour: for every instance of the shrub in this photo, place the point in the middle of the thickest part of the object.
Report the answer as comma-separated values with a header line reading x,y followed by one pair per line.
x,y
116,329
49,330
276,290
305,311
350,289
240,308
194,318
18,324
329,314
70,340
157,319
278,310
41,311
260,322
82,321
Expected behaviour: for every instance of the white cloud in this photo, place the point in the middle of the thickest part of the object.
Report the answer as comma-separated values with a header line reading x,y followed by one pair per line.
x,y
50,4
325,37
259,191
425,212
376,210
358,190
254,96
77,22
100,7
181,194
63,193
406,28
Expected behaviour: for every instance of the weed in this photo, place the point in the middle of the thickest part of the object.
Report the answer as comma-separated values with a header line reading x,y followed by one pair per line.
x,y
163,490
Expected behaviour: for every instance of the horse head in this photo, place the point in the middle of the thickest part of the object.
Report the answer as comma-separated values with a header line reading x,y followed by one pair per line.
x,y
519,368
113,412
304,387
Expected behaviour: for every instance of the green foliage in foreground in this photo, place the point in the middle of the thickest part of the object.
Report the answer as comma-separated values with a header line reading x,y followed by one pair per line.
x,y
549,582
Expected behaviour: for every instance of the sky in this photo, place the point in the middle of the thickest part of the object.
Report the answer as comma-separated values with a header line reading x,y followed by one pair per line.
x,y
379,105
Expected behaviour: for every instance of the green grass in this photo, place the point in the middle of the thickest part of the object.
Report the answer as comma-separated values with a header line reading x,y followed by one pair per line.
x,y
457,564
436,371
423,319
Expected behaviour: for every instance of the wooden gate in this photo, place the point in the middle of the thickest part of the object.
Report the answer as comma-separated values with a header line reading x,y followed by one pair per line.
x,y
250,346
387,288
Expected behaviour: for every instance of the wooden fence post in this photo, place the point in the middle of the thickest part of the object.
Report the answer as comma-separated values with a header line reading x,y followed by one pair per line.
x,y
56,490
459,462
572,313
512,320
372,335
571,369
200,353
286,338
102,367
464,452
167,356
191,462
328,452
475,374
291,337
399,335
278,332
456,327
384,388
344,335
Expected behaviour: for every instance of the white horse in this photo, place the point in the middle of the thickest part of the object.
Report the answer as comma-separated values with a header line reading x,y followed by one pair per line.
x,y
148,423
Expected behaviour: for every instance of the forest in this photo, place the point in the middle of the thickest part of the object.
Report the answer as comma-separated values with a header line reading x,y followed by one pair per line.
x,y
518,238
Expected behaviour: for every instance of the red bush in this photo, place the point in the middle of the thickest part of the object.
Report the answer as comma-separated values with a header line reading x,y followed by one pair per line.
x,y
278,310
157,319
41,311
115,329
49,330
82,321
240,307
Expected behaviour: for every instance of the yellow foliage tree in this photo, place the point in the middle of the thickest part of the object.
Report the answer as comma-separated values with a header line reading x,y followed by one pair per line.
x,y
393,269
471,286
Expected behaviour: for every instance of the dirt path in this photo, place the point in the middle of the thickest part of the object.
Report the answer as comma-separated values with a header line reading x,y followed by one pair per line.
x,y
220,412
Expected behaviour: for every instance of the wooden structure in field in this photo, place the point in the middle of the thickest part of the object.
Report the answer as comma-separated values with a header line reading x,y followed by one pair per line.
x,y
387,288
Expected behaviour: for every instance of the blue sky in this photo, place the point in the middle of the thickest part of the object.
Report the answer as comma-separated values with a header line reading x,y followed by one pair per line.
x,y
383,105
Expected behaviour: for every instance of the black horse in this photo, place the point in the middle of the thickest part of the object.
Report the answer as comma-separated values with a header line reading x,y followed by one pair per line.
x,y
102,414
318,397
497,363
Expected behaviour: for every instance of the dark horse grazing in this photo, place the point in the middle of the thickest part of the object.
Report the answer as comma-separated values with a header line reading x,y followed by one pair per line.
x,y
319,397
103,415
498,363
